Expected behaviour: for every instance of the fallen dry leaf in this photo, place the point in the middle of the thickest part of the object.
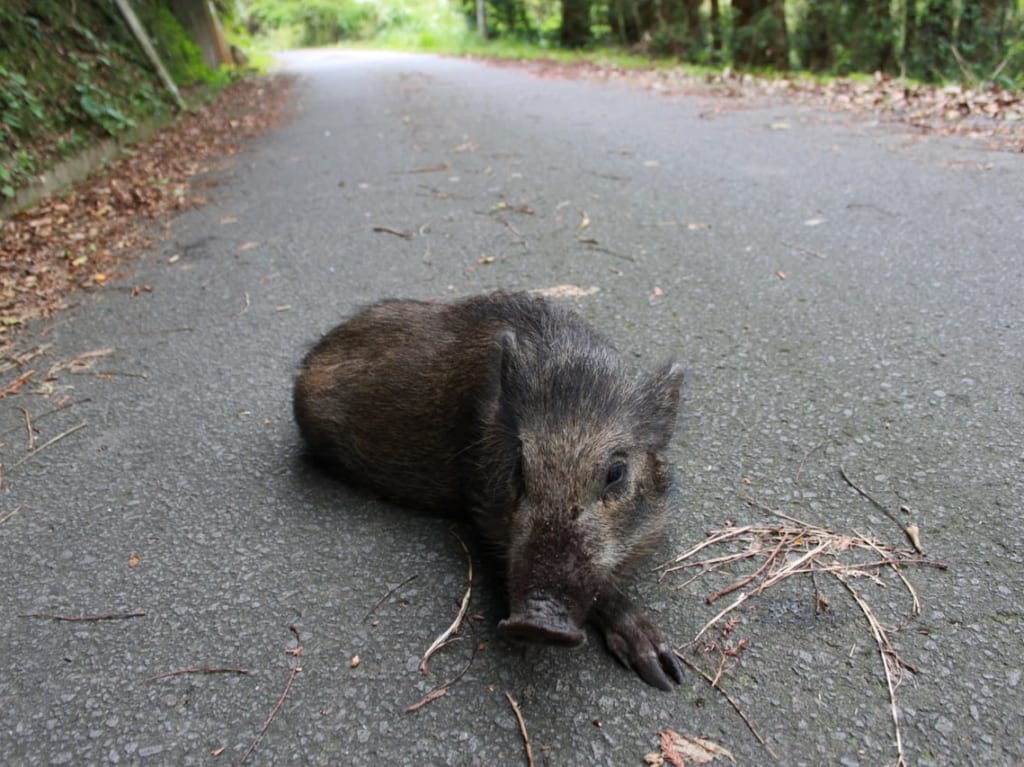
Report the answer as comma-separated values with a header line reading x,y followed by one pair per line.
x,y
914,534
682,750
110,214
987,113
566,291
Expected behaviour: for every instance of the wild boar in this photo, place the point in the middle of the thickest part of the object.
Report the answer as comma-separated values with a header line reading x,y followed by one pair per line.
x,y
508,410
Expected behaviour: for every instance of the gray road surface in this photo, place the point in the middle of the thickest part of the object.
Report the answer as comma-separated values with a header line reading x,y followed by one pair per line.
x,y
842,294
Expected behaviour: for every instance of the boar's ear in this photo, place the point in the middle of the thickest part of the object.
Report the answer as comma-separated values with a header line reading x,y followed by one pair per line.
x,y
508,350
659,403
505,365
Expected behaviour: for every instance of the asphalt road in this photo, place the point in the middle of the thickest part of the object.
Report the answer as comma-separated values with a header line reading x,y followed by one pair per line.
x,y
842,294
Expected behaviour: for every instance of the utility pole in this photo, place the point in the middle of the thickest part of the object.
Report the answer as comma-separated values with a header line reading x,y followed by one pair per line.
x,y
481,19
147,46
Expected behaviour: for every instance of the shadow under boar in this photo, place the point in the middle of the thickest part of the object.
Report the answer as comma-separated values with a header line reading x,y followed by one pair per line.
x,y
511,412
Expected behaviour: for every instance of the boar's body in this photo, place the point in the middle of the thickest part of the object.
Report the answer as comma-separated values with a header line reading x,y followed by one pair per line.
x,y
512,412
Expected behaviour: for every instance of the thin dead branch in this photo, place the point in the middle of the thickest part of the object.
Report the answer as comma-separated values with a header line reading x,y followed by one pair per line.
x,y
84,618
11,513
47,444
800,468
17,383
892,665
447,633
732,702
911,530
442,689
799,548
29,429
294,672
385,598
203,670
808,251
396,232
522,729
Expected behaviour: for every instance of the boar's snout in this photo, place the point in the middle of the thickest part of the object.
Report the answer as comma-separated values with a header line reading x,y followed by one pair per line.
x,y
543,620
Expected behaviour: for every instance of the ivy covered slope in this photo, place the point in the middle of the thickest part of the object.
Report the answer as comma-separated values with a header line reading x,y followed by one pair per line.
x,y
72,74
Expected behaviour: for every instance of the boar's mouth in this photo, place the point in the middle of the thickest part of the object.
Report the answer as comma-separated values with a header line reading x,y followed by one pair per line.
x,y
542,620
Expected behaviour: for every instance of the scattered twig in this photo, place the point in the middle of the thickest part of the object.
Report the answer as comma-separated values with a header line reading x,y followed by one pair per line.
x,y
522,729
732,702
17,383
1002,64
77,364
84,618
161,331
121,373
916,608
29,429
801,548
48,443
800,468
204,670
442,689
788,569
440,168
711,598
396,232
970,78
808,251
295,669
384,598
892,665
444,637
593,245
911,530
10,514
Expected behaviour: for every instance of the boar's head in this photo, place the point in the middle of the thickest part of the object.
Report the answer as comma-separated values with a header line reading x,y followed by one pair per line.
x,y
583,481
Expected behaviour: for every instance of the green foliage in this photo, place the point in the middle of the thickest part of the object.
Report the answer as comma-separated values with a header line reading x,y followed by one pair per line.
x,y
72,73
178,51
323,22
934,40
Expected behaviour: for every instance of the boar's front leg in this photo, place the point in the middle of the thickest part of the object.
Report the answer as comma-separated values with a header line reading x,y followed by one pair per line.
x,y
634,640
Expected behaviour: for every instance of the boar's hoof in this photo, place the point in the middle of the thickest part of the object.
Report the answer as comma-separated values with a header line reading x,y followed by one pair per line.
x,y
542,620
639,645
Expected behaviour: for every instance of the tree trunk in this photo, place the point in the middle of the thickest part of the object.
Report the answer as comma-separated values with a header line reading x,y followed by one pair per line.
x,y
933,53
575,32
818,27
198,18
759,33
872,45
481,19
716,27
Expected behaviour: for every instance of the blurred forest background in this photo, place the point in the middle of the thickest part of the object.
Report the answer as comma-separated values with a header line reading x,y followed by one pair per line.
x,y
969,41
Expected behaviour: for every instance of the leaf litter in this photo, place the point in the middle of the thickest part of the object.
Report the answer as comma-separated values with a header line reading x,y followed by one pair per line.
x,y
77,241
979,111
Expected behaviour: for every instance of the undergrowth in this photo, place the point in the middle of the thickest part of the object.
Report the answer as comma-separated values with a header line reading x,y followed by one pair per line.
x,y
72,74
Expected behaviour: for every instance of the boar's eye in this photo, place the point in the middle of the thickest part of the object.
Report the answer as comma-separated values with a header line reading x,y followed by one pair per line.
x,y
616,476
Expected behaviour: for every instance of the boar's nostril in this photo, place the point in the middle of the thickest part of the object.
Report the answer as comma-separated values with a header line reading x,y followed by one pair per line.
x,y
543,621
